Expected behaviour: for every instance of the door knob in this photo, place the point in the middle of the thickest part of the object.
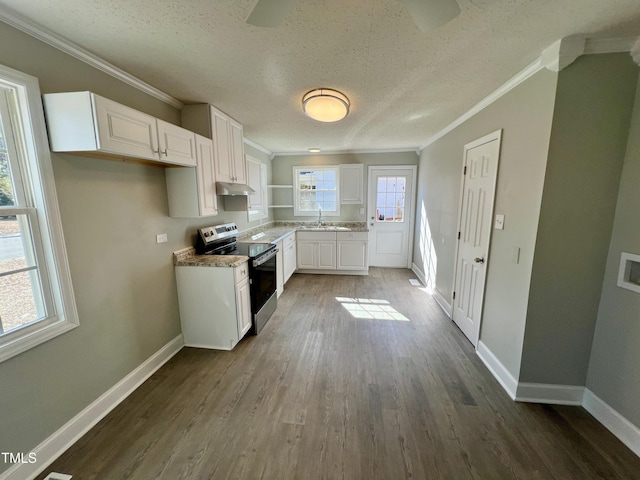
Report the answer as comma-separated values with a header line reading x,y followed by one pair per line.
x,y
478,260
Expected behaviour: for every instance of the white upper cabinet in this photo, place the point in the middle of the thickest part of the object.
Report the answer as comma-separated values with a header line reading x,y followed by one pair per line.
x,y
192,191
352,183
227,136
85,122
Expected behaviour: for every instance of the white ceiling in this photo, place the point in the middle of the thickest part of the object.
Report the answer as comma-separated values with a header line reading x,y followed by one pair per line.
x,y
404,85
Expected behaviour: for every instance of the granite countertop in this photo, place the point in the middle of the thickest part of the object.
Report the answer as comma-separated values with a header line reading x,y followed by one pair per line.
x,y
187,258
271,233
275,232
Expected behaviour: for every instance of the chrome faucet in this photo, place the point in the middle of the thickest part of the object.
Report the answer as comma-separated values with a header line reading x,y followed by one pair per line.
x,y
319,217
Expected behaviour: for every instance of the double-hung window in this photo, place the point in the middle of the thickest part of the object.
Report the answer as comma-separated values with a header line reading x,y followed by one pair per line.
x,y
316,191
36,297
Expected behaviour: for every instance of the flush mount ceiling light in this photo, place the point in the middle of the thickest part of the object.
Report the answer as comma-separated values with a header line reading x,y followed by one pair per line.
x,y
325,105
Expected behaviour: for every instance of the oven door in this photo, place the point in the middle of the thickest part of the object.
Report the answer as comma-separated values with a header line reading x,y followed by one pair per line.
x,y
263,279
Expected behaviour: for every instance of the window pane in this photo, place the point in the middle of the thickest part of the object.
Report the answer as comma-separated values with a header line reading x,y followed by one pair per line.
x,y
20,298
7,195
17,305
14,236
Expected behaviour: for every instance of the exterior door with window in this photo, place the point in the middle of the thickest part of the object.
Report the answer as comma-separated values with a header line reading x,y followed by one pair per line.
x,y
390,213
475,222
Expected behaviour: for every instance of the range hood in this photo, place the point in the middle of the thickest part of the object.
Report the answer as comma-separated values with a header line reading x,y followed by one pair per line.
x,y
224,188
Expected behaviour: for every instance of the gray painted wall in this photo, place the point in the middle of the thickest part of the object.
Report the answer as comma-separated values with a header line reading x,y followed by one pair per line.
x,y
592,111
283,175
614,367
525,115
124,282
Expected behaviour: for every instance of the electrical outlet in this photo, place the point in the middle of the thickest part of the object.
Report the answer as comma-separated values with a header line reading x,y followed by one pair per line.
x,y
161,238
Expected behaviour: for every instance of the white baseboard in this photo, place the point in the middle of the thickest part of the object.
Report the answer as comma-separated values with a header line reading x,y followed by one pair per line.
x,y
444,305
548,393
498,370
419,273
622,428
54,446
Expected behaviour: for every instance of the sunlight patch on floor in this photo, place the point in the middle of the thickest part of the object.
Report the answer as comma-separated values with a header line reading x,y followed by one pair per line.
x,y
369,308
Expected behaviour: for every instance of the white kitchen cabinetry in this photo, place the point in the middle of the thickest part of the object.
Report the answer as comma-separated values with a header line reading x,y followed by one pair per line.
x,y
88,123
192,191
227,136
333,252
285,261
352,248
290,258
317,250
352,184
215,305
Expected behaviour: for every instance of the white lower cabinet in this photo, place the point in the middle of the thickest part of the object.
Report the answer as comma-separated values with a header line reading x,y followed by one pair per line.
x,y
353,249
215,305
285,261
289,257
340,252
317,250
279,268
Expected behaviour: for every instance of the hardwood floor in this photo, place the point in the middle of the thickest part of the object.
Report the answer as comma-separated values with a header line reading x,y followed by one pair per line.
x,y
322,394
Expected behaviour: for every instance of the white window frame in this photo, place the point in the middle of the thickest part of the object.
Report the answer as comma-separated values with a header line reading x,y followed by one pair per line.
x,y
297,211
41,208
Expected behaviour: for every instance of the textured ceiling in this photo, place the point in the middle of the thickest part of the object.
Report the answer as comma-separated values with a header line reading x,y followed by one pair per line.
x,y
404,85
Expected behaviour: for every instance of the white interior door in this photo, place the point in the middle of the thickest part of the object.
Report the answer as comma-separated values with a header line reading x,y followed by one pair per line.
x,y
474,232
390,213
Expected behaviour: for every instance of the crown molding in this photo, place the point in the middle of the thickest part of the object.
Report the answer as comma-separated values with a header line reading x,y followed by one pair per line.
x,y
509,85
258,147
70,48
345,152
563,53
610,45
559,55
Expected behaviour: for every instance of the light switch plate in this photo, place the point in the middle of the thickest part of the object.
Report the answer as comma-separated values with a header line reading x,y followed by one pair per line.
x,y
161,238
499,223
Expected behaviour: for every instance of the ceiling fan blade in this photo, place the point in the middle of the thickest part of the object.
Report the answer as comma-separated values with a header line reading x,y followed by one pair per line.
x,y
431,14
270,13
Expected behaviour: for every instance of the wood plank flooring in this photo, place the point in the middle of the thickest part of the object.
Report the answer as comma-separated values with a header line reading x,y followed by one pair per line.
x,y
324,394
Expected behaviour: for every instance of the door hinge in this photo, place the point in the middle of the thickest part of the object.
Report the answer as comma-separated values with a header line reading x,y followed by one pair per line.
x,y
458,235
454,295
465,170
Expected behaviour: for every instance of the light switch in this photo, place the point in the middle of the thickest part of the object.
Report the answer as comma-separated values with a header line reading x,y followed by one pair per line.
x,y
515,255
161,238
499,223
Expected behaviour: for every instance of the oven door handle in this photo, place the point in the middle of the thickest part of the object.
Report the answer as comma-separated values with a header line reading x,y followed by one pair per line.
x,y
266,257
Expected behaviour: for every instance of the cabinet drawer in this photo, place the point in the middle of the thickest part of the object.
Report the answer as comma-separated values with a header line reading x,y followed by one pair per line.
x,y
241,272
289,240
322,236
360,236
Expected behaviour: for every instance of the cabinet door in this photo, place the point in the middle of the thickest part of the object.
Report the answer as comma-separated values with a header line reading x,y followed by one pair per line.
x,y
352,255
352,183
221,145
306,254
280,269
177,145
289,259
206,175
243,307
237,157
123,130
326,255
